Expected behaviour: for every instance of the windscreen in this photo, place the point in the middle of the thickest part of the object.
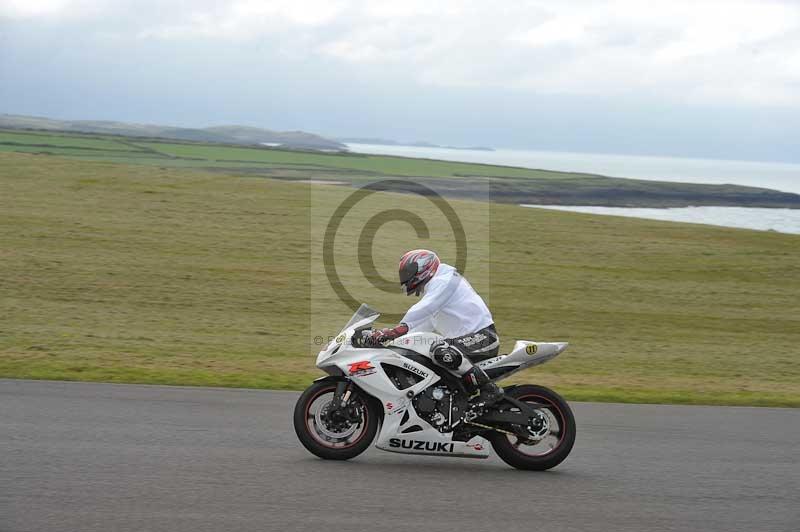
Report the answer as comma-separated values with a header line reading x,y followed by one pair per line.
x,y
363,312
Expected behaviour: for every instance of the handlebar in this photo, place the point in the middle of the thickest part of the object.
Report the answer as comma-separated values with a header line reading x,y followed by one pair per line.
x,y
362,337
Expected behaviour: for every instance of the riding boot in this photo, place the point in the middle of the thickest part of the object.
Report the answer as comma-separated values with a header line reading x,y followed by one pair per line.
x,y
477,381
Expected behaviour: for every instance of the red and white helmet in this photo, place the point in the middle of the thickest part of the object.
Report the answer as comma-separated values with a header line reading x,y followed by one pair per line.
x,y
417,267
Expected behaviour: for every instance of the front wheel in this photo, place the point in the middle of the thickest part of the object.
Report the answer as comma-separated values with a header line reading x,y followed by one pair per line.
x,y
548,438
334,434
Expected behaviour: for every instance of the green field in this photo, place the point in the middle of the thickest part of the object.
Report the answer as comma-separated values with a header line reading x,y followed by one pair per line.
x,y
135,273
223,157
501,184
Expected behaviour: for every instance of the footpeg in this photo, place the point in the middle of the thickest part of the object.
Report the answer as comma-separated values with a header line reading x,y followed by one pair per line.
x,y
474,413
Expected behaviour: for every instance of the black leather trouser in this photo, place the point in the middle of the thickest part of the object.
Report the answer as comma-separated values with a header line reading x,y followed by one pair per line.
x,y
478,346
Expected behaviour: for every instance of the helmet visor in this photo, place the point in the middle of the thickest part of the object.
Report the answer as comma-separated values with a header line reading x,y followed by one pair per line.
x,y
407,272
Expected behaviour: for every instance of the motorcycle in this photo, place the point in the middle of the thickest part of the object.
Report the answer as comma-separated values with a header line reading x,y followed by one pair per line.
x,y
421,408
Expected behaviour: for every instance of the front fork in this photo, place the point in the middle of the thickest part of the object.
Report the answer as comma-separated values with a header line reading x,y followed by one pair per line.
x,y
341,406
342,395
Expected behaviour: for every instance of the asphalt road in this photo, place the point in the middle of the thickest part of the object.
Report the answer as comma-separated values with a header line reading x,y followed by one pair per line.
x,y
98,457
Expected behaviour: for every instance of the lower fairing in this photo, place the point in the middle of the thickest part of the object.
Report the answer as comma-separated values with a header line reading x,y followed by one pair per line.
x,y
428,440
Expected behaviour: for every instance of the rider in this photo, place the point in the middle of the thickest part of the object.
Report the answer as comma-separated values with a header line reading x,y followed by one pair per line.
x,y
452,308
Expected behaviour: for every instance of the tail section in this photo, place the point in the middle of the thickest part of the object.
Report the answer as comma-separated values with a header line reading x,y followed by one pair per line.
x,y
524,355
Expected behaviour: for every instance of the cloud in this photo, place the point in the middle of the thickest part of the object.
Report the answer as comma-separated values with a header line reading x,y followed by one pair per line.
x,y
246,19
23,9
742,52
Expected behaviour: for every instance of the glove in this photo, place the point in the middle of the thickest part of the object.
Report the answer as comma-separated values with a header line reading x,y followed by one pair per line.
x,y
379,336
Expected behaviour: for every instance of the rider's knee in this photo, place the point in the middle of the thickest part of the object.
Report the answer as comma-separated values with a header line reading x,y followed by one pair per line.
x,y
446,355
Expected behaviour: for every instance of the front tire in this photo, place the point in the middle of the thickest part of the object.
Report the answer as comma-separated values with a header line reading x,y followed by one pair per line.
x,y
329,438
551,449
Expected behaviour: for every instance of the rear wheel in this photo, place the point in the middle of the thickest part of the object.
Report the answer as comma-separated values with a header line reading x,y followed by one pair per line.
x,y
334,434
547,439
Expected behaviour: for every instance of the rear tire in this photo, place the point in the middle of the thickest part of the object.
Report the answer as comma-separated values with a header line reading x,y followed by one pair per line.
x,y
531,457
312,431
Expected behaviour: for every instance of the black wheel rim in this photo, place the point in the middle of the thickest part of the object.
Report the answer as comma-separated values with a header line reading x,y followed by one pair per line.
x,y
536,448
334,434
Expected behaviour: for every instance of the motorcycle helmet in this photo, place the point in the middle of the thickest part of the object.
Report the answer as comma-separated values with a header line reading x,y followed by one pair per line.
x,y
417,267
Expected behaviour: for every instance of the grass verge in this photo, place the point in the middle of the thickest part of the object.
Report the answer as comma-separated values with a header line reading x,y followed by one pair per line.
x,y
128,273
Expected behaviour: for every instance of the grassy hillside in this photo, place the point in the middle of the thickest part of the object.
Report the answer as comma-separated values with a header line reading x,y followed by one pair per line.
x,y
224,134
221,157
501,184
130,273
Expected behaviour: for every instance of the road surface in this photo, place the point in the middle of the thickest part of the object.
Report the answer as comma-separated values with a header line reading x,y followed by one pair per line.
x,y
99,457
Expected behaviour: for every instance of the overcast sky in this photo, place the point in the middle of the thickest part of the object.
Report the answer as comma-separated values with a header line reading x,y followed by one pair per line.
x,y
695,78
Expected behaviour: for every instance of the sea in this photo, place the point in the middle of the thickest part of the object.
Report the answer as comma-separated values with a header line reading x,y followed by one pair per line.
x,y
776,176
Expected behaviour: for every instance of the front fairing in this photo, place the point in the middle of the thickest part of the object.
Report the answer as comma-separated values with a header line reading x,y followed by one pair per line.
x,y
363,317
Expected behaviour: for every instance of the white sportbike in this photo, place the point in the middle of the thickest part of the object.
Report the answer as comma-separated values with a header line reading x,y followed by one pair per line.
x,y
422,408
